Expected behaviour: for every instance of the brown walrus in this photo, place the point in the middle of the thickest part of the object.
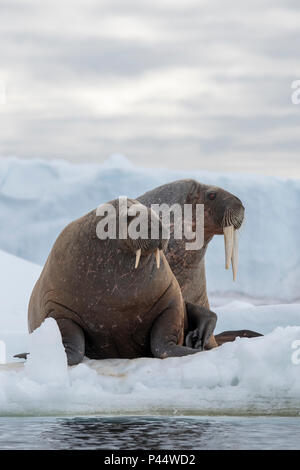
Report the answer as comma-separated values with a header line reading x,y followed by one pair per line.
x,y
223,215
116,298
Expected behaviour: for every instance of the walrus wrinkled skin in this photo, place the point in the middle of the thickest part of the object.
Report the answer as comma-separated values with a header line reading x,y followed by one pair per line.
x,y
107,308
221,209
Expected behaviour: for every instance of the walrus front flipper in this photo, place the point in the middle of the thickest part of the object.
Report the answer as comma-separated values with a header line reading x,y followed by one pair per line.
x,y
228,336
73,340
201,324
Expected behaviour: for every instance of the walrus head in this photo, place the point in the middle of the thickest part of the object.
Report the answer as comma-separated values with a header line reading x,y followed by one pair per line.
x,y
223,212
138,237
223,215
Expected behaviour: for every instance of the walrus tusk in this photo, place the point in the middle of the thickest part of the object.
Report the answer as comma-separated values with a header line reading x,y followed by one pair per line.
x,y
235,254
228,239
137,257
157,256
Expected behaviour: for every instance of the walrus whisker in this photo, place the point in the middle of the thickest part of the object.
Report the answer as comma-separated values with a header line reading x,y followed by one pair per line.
x,y
232,217
137,257
157,256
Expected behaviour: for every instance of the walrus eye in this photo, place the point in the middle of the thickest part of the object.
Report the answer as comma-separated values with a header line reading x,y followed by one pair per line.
x,y
212,196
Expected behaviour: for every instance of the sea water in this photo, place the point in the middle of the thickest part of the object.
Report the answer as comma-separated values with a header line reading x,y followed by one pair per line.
x,y
152,433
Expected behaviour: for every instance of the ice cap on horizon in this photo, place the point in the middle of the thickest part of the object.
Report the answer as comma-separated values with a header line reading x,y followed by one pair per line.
x,y
117,160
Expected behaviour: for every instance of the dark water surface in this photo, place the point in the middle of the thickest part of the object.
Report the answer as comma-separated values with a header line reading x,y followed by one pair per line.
x,y
150,433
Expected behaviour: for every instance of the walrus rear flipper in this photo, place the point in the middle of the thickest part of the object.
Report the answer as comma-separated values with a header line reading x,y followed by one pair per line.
x,y
228,336
201,324
167,335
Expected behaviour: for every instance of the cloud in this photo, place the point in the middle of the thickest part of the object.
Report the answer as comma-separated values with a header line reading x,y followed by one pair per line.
x,y
165,82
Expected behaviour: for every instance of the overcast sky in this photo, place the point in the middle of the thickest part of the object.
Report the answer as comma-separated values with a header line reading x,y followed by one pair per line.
x,y
200,84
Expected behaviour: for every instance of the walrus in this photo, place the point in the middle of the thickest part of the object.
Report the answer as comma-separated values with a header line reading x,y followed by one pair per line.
x,y
116,298
223,215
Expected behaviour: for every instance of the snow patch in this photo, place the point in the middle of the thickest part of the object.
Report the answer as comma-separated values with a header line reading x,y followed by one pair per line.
x,y
47,361
254,376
